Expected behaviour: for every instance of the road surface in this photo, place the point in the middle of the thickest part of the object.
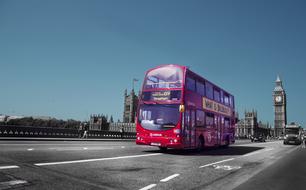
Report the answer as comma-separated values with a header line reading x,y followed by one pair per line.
x,y
124,165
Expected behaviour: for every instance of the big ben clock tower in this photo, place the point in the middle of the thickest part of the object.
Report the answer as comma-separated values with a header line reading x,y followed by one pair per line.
x,y
280,111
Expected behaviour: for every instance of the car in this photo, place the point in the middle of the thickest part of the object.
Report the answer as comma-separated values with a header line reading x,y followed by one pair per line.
x,y
259,138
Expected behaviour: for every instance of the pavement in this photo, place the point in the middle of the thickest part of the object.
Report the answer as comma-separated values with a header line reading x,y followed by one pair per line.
x,y
60,139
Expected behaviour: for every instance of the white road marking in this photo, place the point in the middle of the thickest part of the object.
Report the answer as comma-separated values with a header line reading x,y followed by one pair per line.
x,y
30,149
216,163
95,160
169,178
257,152
13,182
8,167
123,147
148,187
85,148
226,167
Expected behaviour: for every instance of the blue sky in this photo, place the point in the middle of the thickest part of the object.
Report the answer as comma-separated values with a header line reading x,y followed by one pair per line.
x,y
68,59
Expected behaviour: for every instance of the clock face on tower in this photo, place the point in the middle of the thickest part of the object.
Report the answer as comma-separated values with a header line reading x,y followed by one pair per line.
x,y
278,99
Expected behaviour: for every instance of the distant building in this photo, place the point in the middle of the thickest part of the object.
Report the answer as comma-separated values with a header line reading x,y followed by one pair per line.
x,y
130,107
249,126
13,117
245,127
280,110
3,118
95,123
46,118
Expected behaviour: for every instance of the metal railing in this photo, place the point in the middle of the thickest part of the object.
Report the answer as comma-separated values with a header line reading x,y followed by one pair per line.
x,y
48,132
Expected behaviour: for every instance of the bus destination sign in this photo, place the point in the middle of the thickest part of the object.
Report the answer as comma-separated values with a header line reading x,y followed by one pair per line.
x,y
161,95
216,107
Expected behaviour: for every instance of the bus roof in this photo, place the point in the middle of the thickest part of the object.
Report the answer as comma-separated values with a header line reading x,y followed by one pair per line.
x,y
185,68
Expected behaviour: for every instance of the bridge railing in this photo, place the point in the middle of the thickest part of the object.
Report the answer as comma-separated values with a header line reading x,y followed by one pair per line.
x,y
48,132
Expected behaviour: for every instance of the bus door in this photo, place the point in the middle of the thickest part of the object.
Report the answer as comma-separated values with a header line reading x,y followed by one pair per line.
x,y
187,127
218,129
193,128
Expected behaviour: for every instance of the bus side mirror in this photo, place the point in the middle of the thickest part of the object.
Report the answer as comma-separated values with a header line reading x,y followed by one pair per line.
x,y
182,108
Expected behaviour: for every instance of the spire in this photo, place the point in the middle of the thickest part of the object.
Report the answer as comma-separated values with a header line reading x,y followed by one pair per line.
x,y
279,84
278,79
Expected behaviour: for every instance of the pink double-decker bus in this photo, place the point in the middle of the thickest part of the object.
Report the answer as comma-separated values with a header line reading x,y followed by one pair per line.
x,y
182,110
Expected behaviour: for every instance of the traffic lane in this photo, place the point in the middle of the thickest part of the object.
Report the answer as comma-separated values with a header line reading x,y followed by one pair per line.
x,y
132,173
172,162
48,152
289,172
34,152
228,173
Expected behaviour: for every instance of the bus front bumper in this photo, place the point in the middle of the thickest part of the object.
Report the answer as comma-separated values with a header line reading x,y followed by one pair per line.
x,y
160,142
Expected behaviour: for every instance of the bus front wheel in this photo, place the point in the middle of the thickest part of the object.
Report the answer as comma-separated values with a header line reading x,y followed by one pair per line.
x,y
163,149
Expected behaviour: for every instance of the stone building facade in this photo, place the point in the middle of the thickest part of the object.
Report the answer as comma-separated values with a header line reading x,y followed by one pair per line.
x,y
249,126
98,122
280,107
130,107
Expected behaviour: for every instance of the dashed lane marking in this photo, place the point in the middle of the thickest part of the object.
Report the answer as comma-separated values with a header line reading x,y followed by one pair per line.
x,y
13,182
226,167
148,187
30,149
216,163
8,167
95,160
169,178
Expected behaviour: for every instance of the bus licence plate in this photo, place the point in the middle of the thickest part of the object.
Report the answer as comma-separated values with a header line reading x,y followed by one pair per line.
x,y
155,144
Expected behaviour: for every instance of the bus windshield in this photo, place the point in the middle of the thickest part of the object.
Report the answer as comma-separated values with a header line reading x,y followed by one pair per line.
x,y
158,116
164,77
292,131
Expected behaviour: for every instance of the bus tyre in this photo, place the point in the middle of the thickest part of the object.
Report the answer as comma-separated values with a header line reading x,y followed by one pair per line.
x,y
162,149
200,144
226,143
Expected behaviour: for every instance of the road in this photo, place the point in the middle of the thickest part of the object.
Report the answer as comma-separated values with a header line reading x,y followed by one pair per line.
x,y
124,165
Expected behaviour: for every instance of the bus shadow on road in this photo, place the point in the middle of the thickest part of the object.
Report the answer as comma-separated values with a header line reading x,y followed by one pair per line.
x,y
234,151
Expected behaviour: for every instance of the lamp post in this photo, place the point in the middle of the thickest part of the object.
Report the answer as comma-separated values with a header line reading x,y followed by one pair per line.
x,y
133,83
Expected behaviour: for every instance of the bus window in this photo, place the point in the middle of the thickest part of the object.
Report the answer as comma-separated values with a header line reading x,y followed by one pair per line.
x,y
221,96
232,102
217,95
164,77
209,119
226,122
226,99
200,88
200,118
209,90
190,83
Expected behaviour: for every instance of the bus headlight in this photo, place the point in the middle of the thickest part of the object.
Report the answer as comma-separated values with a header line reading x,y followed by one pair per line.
x,y
176,131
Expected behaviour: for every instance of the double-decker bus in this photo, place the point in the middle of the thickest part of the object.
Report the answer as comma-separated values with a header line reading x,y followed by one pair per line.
x,y
182,110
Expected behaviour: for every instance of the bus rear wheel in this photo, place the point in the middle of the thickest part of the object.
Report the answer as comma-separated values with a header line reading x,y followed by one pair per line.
x,y
227,143
163,149
200,144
